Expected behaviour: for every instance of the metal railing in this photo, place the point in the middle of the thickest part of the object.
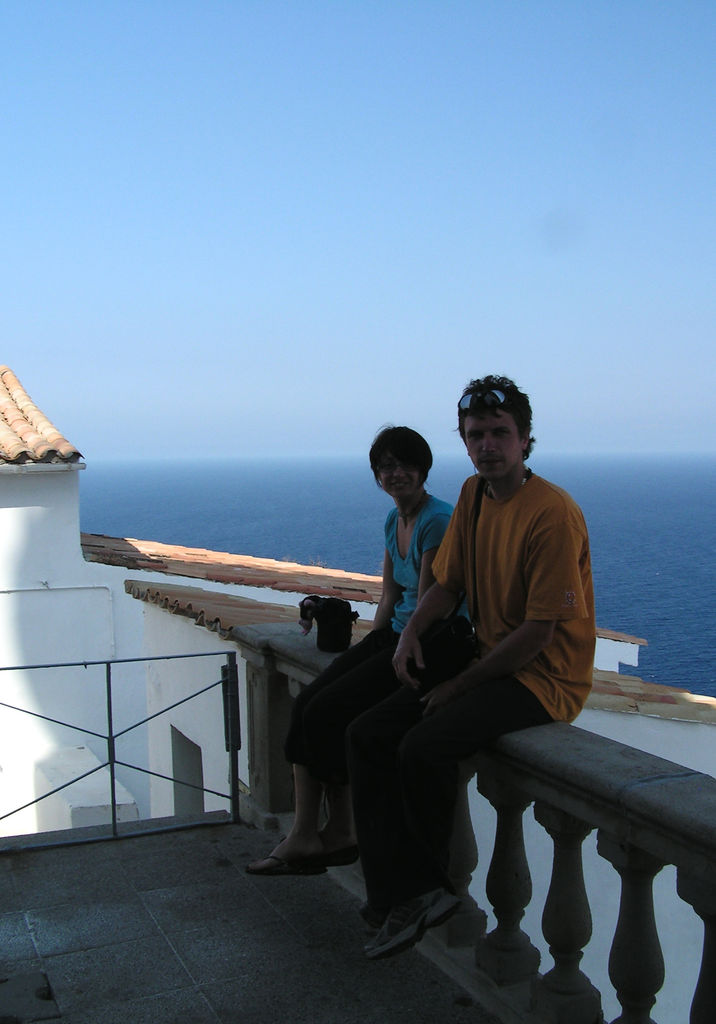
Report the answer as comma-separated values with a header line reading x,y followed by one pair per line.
x,y
229,683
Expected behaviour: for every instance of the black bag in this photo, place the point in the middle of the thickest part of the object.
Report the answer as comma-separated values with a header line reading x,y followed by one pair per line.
x,y
335,620
448,646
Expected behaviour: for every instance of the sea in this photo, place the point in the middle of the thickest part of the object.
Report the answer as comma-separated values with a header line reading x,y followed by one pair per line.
x,y
651,520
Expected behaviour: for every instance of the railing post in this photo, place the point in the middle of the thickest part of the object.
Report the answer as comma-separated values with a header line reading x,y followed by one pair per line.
x,y
232,726
701,895
565,994
636,964
269,709
465,927
506,953
111,751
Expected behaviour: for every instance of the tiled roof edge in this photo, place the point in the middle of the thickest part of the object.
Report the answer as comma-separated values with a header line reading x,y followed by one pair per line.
x,y
613,691
214,610
227,568
26,434
613,634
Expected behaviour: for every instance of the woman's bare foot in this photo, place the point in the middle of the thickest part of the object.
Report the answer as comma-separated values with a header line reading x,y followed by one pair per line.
x,y
292,849
298,846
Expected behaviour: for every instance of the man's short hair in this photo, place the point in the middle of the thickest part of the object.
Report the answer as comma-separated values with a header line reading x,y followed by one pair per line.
x,y
405,445
486,394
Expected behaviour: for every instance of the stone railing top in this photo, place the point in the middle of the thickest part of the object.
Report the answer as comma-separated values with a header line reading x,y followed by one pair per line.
x,y
643,800
286,647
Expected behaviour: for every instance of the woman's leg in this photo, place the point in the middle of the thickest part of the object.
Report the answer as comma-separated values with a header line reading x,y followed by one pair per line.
x,y
295,746
338,832
354,681
328,715
303,840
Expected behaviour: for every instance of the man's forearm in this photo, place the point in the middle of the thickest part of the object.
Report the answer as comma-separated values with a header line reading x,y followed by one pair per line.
x,y
507,658
515,651
436,603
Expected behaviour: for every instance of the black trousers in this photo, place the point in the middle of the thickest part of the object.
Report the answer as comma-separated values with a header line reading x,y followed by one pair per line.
x,y
355,681
404,779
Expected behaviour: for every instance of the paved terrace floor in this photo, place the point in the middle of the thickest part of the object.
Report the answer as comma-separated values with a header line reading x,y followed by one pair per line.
x,y
162,929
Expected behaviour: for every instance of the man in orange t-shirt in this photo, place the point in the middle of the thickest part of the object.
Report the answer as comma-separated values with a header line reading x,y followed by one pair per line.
x,y
524,567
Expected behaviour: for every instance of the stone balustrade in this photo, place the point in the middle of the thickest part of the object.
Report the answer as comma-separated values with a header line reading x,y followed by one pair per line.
x,y
648,812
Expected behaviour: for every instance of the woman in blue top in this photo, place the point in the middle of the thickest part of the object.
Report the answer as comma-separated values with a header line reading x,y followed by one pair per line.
x,y
361,677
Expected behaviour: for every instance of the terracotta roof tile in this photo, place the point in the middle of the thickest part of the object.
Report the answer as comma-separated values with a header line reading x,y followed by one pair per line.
x,y
613,691
612,634
26,434
224,567
216,611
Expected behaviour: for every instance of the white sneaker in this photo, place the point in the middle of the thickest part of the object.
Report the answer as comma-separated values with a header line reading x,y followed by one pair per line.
x,y
406,923
443,905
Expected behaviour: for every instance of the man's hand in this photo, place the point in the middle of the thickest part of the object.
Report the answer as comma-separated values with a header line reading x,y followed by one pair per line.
x,y
440,695
408,654
436,603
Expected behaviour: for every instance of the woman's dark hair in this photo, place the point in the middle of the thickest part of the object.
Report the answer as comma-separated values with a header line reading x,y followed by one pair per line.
x,y
516,403
405,445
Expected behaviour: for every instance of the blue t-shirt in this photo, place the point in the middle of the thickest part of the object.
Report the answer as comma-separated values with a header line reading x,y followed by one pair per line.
x,y
428,531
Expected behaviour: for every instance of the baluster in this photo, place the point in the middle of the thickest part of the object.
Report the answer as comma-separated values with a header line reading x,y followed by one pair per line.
x,y
565,994
636,965
506,953
268,713
701,895
470,922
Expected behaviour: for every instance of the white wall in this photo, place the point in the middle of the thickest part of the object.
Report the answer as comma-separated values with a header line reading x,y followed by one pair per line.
x,y
200,719
609,653
55,607
39,526
692,744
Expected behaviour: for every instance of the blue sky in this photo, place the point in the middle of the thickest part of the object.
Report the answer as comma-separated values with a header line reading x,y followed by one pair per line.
x,y
271,227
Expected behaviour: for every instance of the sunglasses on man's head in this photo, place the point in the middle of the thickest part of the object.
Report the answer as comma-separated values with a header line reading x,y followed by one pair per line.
x,y
491,399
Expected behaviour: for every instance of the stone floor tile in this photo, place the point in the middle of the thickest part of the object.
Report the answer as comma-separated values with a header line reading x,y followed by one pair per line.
x,y
307,991
218,953
93,978
27,996
15,941
10,899
149,867
73,926
52,877
188,906
188,1006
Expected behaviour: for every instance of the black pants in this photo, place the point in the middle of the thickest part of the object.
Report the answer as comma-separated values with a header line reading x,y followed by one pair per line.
x,y
355,681
404,778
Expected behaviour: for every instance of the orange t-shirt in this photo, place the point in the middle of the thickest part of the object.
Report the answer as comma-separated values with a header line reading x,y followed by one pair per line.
x,y
530,560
